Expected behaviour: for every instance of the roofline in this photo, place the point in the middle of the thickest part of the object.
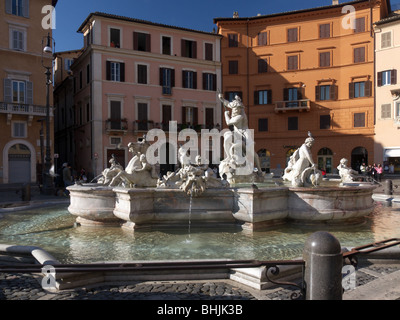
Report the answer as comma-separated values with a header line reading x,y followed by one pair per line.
x,y
296,11
122,18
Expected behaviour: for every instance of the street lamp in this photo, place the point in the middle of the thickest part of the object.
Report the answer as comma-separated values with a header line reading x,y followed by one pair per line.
x,y
48,186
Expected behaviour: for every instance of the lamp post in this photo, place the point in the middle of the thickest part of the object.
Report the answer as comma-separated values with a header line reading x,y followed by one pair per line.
x,y
48,186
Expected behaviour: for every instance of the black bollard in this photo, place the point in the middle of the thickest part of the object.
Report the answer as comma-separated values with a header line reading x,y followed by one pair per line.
x,y
323,267
388,187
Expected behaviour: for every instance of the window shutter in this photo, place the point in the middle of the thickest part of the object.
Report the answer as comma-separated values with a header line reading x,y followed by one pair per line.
x,y
256,100
25,8
379,76
368,88
108,70
351,90
317,91
7,90
183,114
194,80
122,72
9,6
148,42
29,92
393,76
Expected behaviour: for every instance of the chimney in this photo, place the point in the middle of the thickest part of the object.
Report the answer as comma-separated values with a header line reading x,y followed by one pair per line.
x,y
335,2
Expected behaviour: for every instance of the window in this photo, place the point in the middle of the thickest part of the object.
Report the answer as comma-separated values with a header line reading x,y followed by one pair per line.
x,y
166,45
359,25
263,97
167,80
208,47
324,59
325,121
359,89
115,71
386,40
18,91
359,120
141,41
325,92
142,74
210,81
115,41
262,66
233,67
233,40
189,79
189,48
359,55
292,35
18,7
387,77
324,31
189,115
292,63
19,129
386,111
17,39
262,39
263,125
293,123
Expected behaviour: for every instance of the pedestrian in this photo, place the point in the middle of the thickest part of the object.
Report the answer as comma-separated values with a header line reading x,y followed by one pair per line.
x,y
67,177
379,172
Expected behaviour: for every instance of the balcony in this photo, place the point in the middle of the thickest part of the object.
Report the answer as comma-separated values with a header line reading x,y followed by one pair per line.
x,y
294,105
116,126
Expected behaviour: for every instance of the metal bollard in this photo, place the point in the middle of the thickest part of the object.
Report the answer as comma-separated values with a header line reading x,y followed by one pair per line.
x,y
388,187
26,192
323,267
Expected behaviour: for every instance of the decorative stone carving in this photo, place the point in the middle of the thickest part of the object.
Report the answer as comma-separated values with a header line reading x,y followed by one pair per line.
x,y
301,170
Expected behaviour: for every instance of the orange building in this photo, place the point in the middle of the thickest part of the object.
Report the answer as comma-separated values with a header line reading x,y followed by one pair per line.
x,y
307,70
23,28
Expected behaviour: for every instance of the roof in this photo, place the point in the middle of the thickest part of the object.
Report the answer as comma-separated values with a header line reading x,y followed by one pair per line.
x,y
122,18
295,11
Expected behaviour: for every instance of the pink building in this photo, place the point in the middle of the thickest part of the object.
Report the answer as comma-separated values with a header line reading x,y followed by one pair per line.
x,y
135,75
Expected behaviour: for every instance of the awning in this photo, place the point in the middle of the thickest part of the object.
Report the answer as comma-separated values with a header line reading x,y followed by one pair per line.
x,y
392,153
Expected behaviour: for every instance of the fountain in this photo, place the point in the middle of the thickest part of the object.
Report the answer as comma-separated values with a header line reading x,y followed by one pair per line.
x,y
243,195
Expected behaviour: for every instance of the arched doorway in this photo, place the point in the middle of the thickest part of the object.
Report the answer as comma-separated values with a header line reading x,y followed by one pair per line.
x,y
19,164
265,160
359,155
325,159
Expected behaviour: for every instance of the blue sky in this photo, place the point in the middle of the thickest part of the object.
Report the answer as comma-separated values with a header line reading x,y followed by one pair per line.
x,y
190,14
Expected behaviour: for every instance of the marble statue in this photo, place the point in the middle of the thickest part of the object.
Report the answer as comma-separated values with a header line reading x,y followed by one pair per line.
x,y
301,170
237,143
138,172
346,173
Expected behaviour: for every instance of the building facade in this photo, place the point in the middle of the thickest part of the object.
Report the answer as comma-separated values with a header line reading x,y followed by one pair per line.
x,y
387,59
136,75
307,70
23,90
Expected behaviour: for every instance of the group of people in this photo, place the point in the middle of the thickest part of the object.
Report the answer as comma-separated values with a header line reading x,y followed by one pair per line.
x,y
374,171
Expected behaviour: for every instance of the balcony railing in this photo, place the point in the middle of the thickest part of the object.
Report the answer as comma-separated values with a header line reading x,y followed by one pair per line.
x,y
294,105
116,126
21,108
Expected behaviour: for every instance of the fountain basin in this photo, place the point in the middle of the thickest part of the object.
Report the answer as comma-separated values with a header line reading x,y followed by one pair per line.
x,y
250,208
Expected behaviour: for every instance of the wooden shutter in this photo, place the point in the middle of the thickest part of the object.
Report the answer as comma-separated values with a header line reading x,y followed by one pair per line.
x,y
393,76
108,70
351,90
7,90
379,79
122,72
29,92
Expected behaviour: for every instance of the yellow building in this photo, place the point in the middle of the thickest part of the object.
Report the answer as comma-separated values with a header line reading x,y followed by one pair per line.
x,y
306,70
23,89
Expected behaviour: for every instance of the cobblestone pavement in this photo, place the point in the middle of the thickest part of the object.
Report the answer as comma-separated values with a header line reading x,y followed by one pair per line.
x,y
27,287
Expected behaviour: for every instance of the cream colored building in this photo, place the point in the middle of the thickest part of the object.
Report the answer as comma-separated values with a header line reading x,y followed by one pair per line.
x,y
387,89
